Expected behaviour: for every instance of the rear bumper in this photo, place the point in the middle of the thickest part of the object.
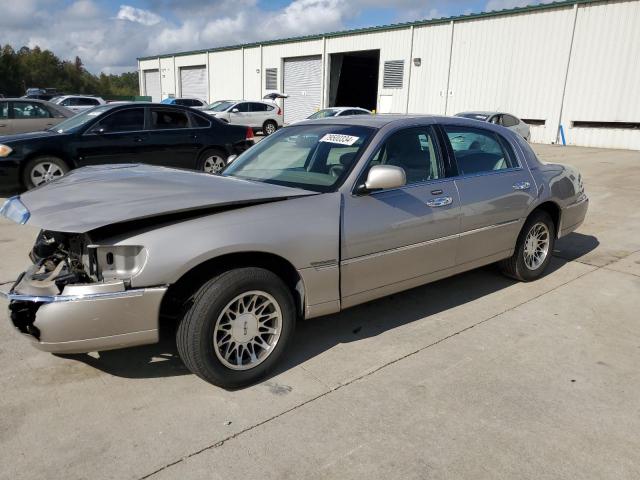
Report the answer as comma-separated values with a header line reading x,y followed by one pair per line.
x,y
573,216
86,319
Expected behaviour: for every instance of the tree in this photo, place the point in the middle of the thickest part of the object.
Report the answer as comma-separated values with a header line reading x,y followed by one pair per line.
x,y
37,68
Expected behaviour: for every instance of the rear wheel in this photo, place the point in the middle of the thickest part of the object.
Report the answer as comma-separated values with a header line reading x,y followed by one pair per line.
x,y
269,127
533,248
41,170
213,161
237,326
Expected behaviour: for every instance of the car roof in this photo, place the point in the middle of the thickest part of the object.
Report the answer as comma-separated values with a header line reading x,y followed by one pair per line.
x,y
382,120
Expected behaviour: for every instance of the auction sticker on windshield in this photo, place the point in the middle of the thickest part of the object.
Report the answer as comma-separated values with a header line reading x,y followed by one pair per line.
x,y
339,139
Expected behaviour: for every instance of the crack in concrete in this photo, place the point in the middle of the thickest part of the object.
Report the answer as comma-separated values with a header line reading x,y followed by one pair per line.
x,y
361,377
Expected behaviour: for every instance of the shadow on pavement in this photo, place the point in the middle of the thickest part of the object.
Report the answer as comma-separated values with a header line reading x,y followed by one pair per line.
x,y
369,320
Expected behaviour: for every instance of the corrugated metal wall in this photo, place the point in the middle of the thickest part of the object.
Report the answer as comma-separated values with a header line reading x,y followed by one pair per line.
x,y
604,75
533,64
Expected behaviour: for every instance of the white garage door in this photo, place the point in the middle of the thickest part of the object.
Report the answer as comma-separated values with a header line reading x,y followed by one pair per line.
x,y
193,82
303,84
152,85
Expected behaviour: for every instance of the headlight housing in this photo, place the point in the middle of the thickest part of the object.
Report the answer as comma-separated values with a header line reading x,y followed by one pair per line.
x,y
5,150
118,262
14,210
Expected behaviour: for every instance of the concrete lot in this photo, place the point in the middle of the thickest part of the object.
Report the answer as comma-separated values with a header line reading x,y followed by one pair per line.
x,y
474,377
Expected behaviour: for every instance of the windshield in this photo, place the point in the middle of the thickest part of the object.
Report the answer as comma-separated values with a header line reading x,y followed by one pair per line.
x,y
220,105
80,119
474,116
324,114
311,157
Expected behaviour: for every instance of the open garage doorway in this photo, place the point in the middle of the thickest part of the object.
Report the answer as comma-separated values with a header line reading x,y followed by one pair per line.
x,y
353,79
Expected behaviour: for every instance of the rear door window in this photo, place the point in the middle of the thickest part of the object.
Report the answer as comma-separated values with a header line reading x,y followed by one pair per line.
x,y
242,107
164,119
479,151
258,107
85,102
509,121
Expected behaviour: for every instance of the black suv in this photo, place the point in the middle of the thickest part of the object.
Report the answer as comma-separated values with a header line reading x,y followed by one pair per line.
x,y
157,134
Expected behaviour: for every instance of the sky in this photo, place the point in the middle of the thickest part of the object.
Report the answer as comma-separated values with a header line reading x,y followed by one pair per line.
x,y
109,35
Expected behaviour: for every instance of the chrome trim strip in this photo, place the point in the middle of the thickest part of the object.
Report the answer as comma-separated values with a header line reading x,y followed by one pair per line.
x,y
397,249
77,298
490,227
428,242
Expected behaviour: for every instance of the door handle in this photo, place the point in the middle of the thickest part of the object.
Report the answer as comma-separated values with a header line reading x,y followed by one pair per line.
x,y
138,139
521,186
440,202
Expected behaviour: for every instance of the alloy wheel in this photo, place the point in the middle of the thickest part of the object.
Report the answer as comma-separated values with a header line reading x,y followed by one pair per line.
x,y
45,172
214,164
536,246
247,330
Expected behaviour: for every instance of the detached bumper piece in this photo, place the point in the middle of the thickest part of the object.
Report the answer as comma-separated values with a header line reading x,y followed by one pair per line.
x,y
85,318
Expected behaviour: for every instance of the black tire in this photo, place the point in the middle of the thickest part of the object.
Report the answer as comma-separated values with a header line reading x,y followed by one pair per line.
x,y
195,335
204,160
44,162
515,266
269,127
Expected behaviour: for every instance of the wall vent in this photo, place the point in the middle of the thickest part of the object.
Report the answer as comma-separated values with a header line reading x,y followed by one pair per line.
x,y
393,74
271,79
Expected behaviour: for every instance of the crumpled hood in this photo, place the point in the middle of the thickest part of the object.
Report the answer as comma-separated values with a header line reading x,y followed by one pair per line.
x,y
93,197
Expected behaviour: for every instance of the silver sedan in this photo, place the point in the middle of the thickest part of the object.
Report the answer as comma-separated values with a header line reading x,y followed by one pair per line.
x,y
500,118
318,217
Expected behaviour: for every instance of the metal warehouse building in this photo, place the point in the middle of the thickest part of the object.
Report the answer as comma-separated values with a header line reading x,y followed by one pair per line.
x,y
571,63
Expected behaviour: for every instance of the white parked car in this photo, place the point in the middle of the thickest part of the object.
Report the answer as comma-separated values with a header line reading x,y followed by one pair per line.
x,y
264,116
78,103
339,112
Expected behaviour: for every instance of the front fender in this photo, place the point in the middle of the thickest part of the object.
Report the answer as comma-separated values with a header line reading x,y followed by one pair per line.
x,y
304,231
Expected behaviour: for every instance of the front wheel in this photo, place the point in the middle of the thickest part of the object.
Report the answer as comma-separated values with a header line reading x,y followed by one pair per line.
x,y
213,161
237,326
41,170
533,248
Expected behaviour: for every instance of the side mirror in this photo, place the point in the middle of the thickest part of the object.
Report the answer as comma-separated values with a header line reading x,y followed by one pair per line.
x,y
383,177
231,158
235,110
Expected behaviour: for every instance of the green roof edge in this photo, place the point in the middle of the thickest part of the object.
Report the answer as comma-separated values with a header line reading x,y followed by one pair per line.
x,y
381,28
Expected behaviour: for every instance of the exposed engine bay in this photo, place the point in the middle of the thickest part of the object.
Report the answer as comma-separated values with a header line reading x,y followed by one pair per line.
x,y
60,259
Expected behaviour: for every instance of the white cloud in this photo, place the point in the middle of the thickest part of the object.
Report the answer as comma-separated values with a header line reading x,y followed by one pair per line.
x,y
138,15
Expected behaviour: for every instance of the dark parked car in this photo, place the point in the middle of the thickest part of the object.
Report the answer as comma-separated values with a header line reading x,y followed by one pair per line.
x,y
170,136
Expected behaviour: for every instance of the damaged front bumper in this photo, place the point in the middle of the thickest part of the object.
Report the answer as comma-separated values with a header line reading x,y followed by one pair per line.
x,y
85,317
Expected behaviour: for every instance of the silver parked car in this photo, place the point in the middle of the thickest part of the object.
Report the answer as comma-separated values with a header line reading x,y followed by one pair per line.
x,y
264,116
78,103
498,118
319,217
338,112
21,115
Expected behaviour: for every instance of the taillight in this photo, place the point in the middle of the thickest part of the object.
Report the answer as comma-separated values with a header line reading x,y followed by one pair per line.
x,y
279,111
249,135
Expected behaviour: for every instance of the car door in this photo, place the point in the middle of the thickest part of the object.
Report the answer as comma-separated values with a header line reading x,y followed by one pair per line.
x,y
30,117
393,239
5,123
119,137
173,142
240,114
259,114
496,190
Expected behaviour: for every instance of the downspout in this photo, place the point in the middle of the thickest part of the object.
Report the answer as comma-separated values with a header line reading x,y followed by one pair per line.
x,y
208,80
559,127
243,73
446,92
160,79
406,109
323,102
